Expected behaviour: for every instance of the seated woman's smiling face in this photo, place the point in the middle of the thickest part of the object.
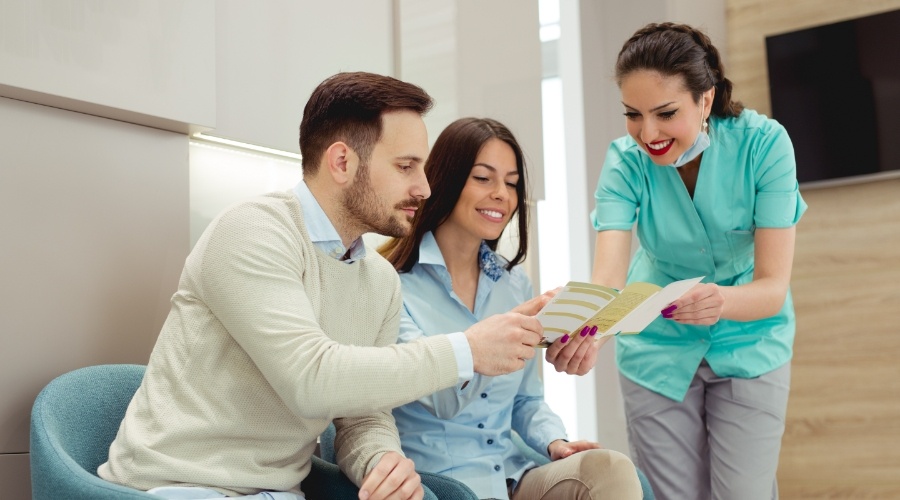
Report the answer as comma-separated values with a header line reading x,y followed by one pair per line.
x,y
488,199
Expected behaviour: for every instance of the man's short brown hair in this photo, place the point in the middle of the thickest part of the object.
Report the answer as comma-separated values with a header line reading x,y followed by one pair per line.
x,y
347,107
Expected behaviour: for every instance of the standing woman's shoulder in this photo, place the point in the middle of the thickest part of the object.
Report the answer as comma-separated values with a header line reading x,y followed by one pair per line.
x,y
750,119
756,132
766,147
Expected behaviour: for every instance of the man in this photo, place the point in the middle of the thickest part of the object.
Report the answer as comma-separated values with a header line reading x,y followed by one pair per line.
x,y
283,322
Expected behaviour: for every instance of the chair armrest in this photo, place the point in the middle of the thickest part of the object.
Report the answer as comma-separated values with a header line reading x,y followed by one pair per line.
x,y
326,481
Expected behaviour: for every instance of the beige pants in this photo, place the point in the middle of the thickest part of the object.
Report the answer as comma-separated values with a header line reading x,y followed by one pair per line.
x,y
588,475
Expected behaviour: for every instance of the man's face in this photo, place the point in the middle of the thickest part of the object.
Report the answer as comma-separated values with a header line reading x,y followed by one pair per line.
x,y
387,191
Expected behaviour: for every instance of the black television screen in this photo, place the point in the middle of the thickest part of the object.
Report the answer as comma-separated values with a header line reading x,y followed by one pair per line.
x,y
836,89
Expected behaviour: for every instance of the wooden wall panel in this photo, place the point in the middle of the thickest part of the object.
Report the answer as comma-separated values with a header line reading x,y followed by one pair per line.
x,y
843,427
843,423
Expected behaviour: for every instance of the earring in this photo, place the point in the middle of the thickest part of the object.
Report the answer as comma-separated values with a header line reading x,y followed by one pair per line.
x,y
705,125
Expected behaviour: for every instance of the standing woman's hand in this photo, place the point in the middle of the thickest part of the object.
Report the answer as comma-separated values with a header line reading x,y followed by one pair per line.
x,y
701,305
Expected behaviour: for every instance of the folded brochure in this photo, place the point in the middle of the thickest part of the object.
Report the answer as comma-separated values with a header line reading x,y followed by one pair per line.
x,y
613,312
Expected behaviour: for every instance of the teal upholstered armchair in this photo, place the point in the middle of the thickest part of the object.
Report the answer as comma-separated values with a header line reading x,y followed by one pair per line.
x,y
76,417
73,421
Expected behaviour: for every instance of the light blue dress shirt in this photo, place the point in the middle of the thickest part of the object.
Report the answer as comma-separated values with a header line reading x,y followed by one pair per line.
x,y
747,180
325,237
321,231
465,433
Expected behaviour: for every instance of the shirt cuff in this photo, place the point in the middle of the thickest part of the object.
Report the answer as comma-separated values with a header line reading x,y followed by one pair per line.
x,y
465,365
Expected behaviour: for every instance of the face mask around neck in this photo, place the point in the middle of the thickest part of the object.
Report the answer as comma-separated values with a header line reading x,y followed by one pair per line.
x,y
700,143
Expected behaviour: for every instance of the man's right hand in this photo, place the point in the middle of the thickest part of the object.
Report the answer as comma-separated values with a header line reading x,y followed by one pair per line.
x,y
534,306
502,343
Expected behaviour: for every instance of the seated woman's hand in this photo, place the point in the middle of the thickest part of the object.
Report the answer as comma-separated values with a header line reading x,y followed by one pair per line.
x,y
533,306
577,354
560,449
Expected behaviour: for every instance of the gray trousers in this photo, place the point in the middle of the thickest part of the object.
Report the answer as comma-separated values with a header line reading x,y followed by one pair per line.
x,y
721,442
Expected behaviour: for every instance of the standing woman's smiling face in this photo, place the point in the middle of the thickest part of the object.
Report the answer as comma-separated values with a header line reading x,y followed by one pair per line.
x,y
661,115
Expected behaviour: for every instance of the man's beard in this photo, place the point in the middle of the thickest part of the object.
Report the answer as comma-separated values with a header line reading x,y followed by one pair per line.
x,y
363,208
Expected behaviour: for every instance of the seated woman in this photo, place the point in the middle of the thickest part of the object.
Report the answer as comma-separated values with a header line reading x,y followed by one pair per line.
x,y
452,278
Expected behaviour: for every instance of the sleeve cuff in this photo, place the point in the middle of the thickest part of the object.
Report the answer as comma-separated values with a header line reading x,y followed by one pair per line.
x,y
465,365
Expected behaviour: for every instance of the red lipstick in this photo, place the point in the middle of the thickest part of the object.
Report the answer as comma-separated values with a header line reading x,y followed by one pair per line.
x,y
660,152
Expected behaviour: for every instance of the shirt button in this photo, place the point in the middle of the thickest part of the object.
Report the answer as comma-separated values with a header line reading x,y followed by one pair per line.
x,y
490,441
497,468
483,395
702,250
481,426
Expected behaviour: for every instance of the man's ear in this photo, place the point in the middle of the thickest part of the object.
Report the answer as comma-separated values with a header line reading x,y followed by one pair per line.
x,y
341,162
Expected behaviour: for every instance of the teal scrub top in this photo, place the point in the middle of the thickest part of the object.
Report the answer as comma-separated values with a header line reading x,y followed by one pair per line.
x,y
747,180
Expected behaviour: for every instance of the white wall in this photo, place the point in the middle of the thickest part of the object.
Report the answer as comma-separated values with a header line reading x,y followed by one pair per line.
x,y
221,175
477,59
150,63
480,59
271,55
95,209
94,215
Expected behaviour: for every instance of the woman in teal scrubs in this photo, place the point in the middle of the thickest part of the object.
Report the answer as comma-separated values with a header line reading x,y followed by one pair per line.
x,y
713,190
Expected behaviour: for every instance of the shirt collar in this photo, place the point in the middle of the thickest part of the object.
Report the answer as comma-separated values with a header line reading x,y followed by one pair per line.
x,y
321,231
430,253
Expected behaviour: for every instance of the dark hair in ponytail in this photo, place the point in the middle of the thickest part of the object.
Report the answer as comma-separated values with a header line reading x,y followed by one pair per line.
x,y
678,49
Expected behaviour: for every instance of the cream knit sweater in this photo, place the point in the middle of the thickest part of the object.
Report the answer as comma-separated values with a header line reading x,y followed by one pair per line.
x,y
267,341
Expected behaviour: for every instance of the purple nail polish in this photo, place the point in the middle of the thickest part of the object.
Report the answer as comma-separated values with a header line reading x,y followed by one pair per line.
x,y
584,331
667,316
669,309
593,331
564,339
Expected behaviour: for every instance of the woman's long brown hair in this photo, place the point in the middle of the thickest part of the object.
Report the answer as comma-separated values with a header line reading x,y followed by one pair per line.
x,y
448,168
